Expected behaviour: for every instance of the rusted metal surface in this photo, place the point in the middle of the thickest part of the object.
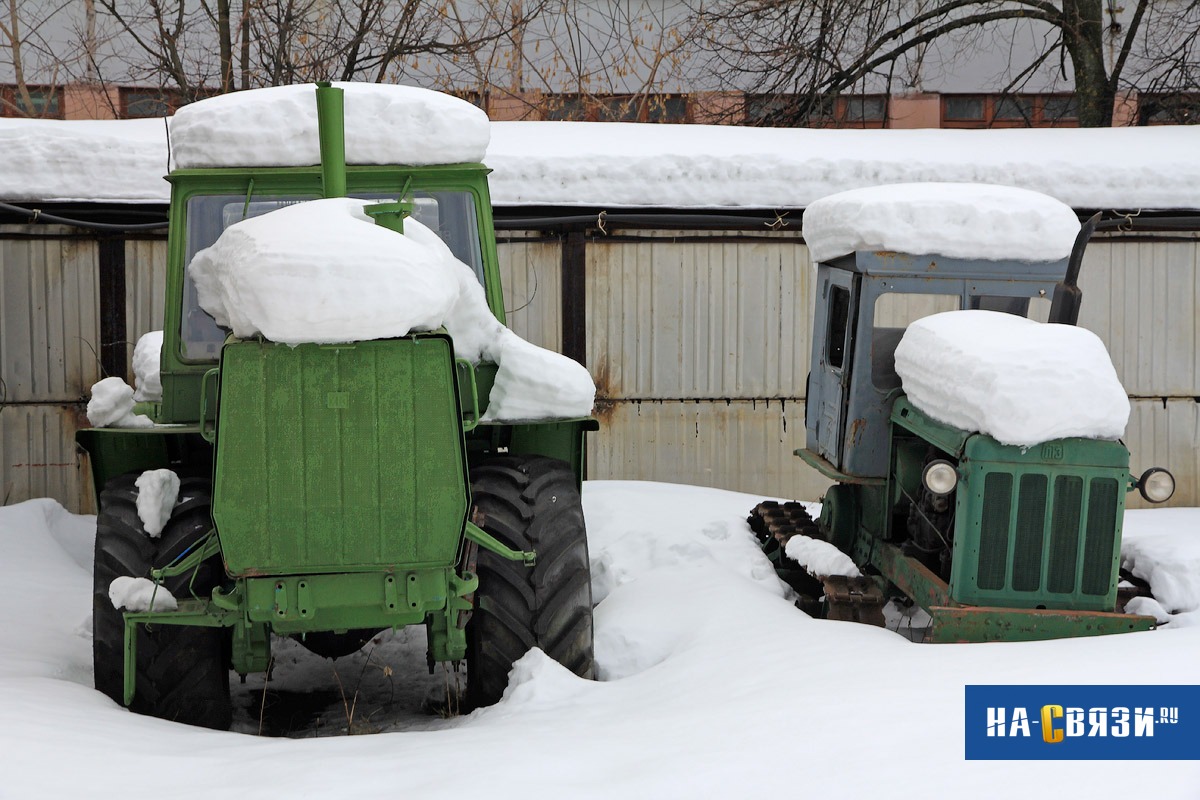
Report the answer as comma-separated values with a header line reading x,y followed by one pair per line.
x,y
38,455
911,576
854,600
984,624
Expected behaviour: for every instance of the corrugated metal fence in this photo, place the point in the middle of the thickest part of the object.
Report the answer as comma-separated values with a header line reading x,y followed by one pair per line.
x,y
52,349
699,343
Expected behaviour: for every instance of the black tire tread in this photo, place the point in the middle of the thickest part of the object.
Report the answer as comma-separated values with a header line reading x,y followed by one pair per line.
x,y
529,503
182,672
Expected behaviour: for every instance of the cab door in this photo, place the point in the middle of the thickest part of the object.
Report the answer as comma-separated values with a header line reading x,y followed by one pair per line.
x,y
833,345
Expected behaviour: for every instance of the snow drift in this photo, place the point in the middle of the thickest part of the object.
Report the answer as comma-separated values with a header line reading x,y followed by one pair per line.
x,y
691,635
1019,381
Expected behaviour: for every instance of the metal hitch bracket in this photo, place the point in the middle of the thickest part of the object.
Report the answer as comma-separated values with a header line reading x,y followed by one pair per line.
x,y
488,542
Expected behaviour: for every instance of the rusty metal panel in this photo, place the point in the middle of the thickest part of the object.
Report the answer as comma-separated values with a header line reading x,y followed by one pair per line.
x,y
145,288
37,455
681,316
741,445
49,312
1166,434
1143,299
531,274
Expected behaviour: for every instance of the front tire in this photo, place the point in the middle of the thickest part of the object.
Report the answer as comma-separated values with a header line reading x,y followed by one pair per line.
x,y
529,503
182,671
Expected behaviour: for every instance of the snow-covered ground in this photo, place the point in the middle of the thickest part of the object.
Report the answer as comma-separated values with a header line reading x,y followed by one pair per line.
x,y
712,686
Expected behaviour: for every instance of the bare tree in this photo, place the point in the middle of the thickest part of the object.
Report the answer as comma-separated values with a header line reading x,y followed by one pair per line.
x,y
598,59
28,53
803,52
198,47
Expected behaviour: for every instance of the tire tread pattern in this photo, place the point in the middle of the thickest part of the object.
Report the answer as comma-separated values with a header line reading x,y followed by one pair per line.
x,y
529,503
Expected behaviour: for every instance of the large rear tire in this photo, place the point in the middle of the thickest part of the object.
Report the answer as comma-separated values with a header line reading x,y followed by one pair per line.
x,y
529,503
182,672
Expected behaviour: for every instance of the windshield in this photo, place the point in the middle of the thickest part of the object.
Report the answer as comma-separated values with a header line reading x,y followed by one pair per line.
x,y
451,215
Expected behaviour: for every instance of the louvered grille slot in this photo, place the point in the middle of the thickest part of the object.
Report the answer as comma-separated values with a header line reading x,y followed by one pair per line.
x,y
1031,524
1101,534
1064,533
993,535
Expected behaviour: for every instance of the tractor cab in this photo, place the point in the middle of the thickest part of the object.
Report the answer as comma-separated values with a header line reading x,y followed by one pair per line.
x,y
865,300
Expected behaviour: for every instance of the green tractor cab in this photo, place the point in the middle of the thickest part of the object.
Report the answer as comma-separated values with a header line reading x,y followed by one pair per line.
x,y
332,491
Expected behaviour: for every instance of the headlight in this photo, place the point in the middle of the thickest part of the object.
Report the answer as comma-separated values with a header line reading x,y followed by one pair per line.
x,y
1156,485
940,477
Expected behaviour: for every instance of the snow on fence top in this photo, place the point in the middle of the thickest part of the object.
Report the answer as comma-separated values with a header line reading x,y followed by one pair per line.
x,y
670,166
959,220
277,126
105,160
1019,381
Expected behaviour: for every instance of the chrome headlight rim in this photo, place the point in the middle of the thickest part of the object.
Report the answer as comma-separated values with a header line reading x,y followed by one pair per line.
x,y
1157,485
940,477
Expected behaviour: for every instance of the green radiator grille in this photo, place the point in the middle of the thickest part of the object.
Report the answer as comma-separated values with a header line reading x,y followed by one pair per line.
x,y
1101,531
1043,535
993,535
1031,529
1064,533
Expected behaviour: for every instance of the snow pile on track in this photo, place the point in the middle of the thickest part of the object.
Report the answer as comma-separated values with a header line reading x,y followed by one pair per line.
x,y
158,489
111,406
959,220
820,557
323,271
277,126
1020,381
147,355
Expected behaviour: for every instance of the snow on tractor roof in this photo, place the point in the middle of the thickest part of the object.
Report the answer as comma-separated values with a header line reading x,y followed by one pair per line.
x,y
277,126
957,220
1019,381
323,271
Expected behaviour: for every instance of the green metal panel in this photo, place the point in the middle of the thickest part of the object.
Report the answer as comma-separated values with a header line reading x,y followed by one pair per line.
x,y
339,458
1039,528
1036,527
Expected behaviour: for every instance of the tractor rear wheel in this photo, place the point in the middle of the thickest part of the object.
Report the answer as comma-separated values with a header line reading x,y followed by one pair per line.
x,y
182,672
529,503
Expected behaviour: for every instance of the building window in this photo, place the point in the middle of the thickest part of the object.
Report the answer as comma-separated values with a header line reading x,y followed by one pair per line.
x,y
618,108
45,102
138,103
1009,111
964,108
1169,109
860,111
844,111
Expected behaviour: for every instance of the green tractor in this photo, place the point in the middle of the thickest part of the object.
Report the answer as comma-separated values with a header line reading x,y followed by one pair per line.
x,y
328,492
994,542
